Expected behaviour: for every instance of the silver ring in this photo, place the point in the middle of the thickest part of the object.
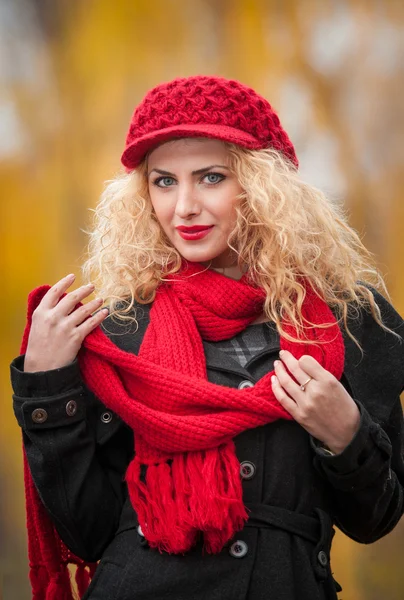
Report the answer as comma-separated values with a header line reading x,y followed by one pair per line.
x,y
303,386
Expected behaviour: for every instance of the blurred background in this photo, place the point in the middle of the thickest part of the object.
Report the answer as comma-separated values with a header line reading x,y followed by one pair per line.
x,y
71,73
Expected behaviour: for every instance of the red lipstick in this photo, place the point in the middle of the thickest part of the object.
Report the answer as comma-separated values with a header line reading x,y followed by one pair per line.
x,y
194,232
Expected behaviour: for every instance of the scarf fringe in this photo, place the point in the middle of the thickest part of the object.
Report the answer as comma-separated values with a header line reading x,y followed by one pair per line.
x,y
193,492
83,578
39,579
59,586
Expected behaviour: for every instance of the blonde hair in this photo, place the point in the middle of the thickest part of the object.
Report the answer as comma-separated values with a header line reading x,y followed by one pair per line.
x,y
287,233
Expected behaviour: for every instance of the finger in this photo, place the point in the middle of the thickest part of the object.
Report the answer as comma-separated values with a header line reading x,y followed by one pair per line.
x,y
52,296
68,303
92,322
282,397
293,366
82,313
286,381
313,368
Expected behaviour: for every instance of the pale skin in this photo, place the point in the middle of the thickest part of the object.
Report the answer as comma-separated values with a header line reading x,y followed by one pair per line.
x,y
324,408
180,196
56,332
190,184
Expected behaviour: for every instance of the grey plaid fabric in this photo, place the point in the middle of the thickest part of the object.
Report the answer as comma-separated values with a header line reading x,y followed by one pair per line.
x,y
248,343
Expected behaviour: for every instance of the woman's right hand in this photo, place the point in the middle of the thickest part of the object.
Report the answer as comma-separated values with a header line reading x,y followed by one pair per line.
x,y
57,330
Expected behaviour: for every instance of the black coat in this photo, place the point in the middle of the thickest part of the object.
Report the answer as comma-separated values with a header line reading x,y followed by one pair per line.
x,y
295,491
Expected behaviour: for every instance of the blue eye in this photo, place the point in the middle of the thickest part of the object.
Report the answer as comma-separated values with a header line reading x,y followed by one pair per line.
x,y
209,178
214,177
163,181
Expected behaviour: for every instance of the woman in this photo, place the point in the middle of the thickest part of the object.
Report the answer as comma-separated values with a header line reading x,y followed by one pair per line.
x,y
246,355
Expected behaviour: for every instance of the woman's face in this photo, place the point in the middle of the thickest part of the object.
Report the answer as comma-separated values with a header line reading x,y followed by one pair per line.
x,y
191,186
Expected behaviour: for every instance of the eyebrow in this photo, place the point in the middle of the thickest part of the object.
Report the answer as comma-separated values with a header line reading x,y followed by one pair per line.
x,y
197,172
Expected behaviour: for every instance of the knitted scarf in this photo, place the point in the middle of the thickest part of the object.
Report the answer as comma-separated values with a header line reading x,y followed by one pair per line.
x,y
184,480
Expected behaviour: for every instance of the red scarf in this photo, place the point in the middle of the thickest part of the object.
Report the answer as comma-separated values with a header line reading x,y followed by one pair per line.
x,y
183,424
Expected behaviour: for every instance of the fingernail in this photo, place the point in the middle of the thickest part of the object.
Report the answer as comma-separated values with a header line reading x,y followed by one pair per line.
x,y
70,276
281,352
273,379
276,363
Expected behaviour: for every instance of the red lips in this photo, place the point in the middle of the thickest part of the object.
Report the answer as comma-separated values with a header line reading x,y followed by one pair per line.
x,y
194,233
194,228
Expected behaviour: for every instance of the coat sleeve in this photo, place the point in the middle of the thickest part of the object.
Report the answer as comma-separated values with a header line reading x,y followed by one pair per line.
x,y
77,452
367,479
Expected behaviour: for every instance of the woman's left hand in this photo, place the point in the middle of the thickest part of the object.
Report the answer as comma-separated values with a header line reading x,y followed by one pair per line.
x,y
324,408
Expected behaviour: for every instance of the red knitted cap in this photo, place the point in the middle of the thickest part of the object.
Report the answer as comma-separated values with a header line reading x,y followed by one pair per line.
x,y
204,106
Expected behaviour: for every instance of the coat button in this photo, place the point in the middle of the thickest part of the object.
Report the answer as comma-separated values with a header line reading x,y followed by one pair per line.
x,y
71,408
239,549
142,539
245,384
106,417
247,469
39,415
322,558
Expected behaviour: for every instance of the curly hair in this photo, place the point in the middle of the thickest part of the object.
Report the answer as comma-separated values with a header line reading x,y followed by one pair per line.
x,y
287,234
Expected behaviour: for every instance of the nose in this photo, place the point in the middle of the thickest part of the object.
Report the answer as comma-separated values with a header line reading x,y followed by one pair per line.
x,y
188,203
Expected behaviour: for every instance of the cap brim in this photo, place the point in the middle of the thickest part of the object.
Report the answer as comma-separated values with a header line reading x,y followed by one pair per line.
x,y
134,154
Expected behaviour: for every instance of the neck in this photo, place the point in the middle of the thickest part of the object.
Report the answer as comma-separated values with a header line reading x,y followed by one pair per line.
x,y
234,272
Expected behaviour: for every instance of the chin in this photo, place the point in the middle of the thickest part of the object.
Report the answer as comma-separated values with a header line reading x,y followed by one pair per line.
x,y
199,257
209,259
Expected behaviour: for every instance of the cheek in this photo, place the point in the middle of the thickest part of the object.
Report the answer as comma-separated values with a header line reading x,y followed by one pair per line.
x,y
225,208
161,209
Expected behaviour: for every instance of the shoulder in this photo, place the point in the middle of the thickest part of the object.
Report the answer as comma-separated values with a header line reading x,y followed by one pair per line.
x,y
368,331
128,334
390,316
